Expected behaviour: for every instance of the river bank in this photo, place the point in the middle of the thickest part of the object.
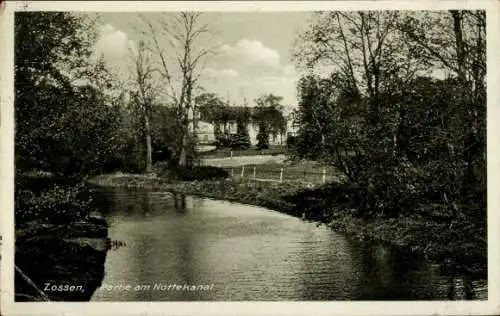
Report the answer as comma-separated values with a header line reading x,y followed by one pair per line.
x,y
60,262
448,243
61,243
50,268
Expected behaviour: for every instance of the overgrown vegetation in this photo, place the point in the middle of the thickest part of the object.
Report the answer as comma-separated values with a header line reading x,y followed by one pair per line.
x,y
402,114
67,118
62,127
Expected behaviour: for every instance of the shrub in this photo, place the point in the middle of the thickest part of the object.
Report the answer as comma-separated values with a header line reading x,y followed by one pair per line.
x,y
291,142
223,141
54,204
241,140
263,138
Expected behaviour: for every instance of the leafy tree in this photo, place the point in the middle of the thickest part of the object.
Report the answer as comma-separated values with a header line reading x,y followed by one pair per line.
x,y
68,116
65,117
164,127
313,116
241,139
263,138
210,106
268,117
212,109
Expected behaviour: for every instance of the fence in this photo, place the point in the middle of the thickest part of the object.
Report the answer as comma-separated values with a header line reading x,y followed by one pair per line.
x,y
281,174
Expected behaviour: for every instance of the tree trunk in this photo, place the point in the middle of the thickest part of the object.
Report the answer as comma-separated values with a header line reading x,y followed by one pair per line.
x,y
149,150
183,155
184,142
459,42
468,178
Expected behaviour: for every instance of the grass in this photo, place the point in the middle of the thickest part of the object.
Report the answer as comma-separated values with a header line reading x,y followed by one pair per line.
x,y
306,172
226,152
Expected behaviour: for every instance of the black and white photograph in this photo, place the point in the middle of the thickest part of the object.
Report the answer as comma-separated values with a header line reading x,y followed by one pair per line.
x,y
327,154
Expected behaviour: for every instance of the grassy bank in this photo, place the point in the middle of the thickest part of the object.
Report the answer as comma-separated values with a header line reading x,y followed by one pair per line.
x,y
307,173
256,193
439,241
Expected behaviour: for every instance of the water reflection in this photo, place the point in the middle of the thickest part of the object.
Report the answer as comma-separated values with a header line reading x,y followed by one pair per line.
x,y
395,274
179,202
250,253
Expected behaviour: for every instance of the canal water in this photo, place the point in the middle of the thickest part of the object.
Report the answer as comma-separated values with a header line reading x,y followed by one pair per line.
x,y
197,249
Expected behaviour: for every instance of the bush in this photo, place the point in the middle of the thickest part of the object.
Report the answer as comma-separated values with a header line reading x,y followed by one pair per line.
x,y
240,141
223,141
55,204
162,153
291,142
134,161
262,139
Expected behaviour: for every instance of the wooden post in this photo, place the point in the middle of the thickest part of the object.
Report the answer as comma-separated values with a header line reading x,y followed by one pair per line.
x,y
281,175
254,172
232,173
231,154
324,176
183,201
242,171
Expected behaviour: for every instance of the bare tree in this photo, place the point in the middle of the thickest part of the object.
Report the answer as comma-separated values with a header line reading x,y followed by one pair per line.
x,y
364,46
454,41
365,51
144,94
181,57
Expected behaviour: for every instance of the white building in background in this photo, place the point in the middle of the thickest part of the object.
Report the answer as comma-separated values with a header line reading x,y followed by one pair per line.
x,y
206,131
291,124
232,128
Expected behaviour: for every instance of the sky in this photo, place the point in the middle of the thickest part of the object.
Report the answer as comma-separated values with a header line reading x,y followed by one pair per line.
x,y
254,51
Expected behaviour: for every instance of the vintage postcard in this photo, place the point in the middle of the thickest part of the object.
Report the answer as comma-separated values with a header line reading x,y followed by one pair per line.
x,y
246,157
